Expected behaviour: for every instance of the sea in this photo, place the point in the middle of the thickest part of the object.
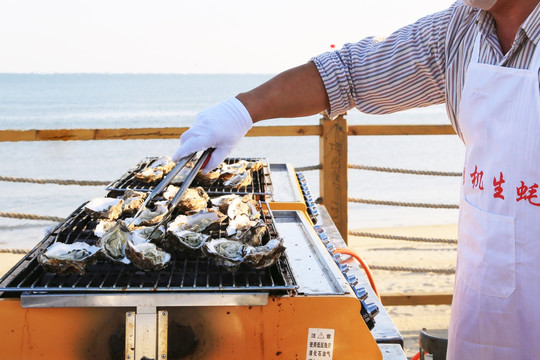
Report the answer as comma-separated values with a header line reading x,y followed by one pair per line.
x,y
77,101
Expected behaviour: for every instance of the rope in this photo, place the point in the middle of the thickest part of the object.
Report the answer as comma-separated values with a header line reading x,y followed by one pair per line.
x,y
404,171
30,216
54,181
14,251
413,269
397,237
397,203
308,168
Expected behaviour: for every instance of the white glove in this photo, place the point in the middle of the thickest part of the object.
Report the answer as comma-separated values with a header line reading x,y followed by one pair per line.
x,y
220,127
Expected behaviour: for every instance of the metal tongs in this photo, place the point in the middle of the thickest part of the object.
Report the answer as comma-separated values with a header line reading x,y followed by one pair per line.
x,y
202,161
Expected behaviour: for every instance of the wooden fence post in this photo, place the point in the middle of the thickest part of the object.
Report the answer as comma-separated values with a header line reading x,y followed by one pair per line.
x,y
333,175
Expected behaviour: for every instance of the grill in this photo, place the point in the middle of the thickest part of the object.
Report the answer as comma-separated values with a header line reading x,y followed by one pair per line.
x,y
186,272
262,184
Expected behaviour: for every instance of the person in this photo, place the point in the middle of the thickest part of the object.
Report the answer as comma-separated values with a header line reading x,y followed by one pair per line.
x,y
481,58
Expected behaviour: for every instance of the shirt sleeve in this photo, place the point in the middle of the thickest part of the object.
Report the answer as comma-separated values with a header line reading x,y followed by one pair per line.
x,y
381,76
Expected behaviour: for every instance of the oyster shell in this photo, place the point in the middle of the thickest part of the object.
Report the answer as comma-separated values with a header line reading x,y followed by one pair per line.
x,y
103,226
259,257
228,254
194,199
148,234
147,256
238,181
255,165
133,200
251,234
208,179
104,208
186,240
230,170
170,191
114,242
196,222
156,170
182,175
149,216
222,202
73,258
243,213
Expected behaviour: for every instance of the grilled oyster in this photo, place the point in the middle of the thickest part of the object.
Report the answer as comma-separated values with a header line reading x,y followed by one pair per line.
x,y
132,200
103,226
73,258
156,170
186,240
147,256
243,213
238,181
259,257
196,222
208,179
222,202
149,216
104,208
251,234
255,165
230,170
227,254
148,234
170,191
194,199
114,242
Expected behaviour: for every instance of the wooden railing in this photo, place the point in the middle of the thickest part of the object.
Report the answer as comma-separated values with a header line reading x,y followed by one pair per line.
x,y
333,151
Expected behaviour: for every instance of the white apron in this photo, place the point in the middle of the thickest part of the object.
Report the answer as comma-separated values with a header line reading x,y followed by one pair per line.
x,y
496,307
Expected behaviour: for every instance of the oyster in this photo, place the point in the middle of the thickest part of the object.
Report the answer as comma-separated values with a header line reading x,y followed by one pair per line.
x,y
149,175
186,240
133,200
196,222
259,257
208,179
103,226
230,170
170,191
238,181
114,242
182,175
255,165
194,199
243,213
148,234
156,170
251,234
222,202
228,254
149,216
147,256
104,208
68,258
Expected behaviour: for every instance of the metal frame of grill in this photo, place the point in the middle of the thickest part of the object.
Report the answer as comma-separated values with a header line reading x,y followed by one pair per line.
x,y
262,184
186,272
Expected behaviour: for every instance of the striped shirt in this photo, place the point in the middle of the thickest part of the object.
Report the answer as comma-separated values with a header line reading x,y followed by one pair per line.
x,y
421,64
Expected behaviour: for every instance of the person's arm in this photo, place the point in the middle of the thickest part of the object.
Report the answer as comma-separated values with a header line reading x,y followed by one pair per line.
x,y
293,93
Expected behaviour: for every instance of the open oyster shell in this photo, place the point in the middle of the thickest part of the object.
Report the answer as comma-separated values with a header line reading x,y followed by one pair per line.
x,y
259,257
104,208
186,240
222,202
229,170
227,254
149,175
103,226
239,181
149,216
147,256
132,200
114,243
73,258
251,234
194,199
197,222
148,234
156,170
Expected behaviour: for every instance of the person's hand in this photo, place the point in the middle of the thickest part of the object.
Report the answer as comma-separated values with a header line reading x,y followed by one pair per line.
x,y
220,127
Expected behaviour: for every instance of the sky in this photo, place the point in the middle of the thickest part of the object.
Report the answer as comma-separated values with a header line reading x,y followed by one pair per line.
x,y
189,36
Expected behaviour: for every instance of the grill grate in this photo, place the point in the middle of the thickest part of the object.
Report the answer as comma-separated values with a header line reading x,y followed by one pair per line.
x,y
262,184
186,272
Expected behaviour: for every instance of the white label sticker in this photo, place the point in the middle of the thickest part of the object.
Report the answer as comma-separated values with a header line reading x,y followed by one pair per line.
x,y
320,344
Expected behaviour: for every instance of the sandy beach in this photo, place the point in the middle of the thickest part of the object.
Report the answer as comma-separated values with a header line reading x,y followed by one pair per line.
x,y
408,319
